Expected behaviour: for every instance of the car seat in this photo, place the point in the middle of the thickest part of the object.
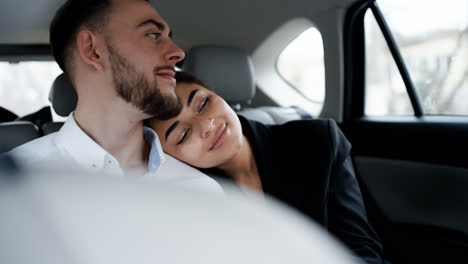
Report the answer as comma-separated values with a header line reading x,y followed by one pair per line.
x,y
229,72
63,98
6,115
16,133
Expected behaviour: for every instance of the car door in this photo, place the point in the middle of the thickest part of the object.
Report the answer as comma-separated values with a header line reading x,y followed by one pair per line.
x,y
411,159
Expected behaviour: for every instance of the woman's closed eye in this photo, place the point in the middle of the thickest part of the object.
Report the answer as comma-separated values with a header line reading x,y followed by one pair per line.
x,y
184,136
203,104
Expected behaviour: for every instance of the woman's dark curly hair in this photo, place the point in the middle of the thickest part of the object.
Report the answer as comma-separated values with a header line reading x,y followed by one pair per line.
x,y
186,77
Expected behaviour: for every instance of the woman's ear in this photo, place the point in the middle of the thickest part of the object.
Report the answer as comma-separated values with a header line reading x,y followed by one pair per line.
x,y
87,46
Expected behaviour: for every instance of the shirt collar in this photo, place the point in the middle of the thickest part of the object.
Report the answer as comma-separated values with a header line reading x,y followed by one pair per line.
x,y
156,157
84,150
90,155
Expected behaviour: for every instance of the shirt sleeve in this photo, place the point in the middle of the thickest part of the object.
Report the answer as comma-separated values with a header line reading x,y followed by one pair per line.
x,y
347,218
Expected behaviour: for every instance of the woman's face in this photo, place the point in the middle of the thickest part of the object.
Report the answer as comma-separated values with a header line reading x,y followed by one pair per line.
x,y
205,134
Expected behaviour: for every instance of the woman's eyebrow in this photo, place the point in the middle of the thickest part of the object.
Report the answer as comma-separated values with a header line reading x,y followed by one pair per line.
x,y
172,127
190,98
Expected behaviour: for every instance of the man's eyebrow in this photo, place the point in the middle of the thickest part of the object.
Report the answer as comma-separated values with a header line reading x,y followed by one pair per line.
x,y
159,25
172,127
190,98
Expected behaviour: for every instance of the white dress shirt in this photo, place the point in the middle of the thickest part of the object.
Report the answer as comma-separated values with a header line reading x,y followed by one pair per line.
x,y
72,148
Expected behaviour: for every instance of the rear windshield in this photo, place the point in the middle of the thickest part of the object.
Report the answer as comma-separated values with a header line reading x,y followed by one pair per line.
x,y
24,86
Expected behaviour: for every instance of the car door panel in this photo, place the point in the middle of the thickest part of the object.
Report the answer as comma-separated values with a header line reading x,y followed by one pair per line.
x,y
416,192
414,175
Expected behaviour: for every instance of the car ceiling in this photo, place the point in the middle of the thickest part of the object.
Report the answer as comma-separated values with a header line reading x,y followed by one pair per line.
x,y
241,23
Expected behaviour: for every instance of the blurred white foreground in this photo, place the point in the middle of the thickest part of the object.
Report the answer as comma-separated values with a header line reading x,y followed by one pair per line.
x,y
75,218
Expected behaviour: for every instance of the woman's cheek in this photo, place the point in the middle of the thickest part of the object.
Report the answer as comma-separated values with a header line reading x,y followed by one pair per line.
x,y
191,151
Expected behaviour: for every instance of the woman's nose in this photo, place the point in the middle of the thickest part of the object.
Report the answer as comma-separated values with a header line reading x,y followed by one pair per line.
x,y
207,127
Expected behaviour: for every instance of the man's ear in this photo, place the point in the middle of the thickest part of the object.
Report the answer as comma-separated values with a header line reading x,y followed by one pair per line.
x,y
87,46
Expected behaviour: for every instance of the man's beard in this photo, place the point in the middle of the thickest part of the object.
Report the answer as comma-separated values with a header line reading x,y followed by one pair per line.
x,y
135,88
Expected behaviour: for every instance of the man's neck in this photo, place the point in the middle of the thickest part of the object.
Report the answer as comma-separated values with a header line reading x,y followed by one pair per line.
x,y
117,130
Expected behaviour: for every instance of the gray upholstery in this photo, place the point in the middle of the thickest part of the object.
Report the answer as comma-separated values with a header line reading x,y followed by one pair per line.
x,y
271,115
417,192
228,71
62,95
16,133
51,127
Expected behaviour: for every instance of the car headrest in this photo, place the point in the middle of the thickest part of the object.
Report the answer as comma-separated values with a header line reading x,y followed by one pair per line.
x,y
63,96
228,71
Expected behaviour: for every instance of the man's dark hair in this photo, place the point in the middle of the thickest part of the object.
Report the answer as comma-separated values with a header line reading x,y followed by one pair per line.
x,y
186,77
70,17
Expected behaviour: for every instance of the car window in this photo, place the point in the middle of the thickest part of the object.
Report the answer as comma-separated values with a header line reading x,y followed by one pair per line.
x,y
432,37
24,86
385,90
301,64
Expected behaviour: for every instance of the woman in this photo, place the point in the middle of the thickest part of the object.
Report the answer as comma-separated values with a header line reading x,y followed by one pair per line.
x,y
304,163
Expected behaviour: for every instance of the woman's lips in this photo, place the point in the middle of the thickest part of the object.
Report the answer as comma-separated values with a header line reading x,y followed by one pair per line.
x,y
220,137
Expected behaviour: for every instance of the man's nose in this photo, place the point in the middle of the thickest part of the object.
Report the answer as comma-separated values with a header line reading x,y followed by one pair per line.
x,y
174,53
207,127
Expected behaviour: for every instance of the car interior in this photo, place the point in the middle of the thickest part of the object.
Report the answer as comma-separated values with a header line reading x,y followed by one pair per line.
x,y
412,167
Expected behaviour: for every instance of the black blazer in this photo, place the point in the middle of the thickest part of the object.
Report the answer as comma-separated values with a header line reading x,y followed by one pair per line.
x,y
307,164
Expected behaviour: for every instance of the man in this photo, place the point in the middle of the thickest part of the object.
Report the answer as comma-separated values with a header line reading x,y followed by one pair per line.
x,y
120,58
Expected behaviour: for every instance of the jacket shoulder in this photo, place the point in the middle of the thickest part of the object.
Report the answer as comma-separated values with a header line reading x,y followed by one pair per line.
x,y
307,127
318,134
